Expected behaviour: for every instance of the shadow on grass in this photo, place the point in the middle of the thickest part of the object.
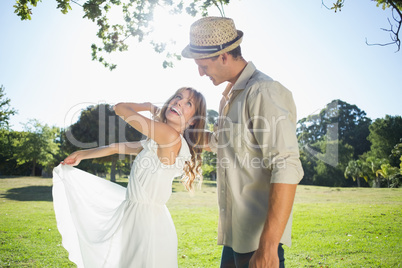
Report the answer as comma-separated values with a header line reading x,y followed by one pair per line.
x,y
44,193
124,184
29,193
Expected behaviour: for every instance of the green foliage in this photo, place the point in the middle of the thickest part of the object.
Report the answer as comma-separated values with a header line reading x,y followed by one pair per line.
x,y
8,165
309,164
331,175
329,140
338,5
209,165
389,3
137,17
373,164
212,117
347,121
390,174
343,132
99,126
36,145
397,150
356,169
384,134
209,158
5,110
23,8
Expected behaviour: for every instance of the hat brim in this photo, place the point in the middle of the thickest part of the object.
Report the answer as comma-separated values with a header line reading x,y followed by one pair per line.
x,y
187,53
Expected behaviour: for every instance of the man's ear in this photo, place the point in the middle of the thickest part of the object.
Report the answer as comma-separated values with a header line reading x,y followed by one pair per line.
x,y
224,57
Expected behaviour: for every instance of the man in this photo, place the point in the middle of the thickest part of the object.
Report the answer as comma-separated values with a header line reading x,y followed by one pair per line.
x,y
258,162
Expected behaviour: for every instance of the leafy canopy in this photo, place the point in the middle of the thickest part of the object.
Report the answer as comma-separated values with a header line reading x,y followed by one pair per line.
x,y
137,17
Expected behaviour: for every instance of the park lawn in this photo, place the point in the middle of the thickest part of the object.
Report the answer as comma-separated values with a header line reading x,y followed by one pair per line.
x,y
346,227
332,227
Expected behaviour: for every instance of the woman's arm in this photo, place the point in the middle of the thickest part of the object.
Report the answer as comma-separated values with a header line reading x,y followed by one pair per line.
x,y
210,142
167,138
158,131
140,107
114,148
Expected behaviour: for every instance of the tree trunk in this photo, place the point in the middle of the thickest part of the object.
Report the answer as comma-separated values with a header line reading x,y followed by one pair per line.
x,y
358,182
33,167
377,182
113,169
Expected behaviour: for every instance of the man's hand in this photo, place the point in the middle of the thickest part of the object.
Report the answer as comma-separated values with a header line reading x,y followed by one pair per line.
x,y
265,258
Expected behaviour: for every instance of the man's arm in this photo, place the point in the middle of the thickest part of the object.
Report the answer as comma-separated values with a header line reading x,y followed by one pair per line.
x,y
280,206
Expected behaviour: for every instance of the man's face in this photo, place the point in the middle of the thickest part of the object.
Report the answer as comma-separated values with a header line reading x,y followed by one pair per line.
x,y
212,68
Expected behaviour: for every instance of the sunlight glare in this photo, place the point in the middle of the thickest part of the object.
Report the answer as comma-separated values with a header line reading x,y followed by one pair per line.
x,y
170,28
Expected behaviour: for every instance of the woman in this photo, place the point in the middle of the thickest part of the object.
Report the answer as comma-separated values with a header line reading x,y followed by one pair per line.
x,y
105,225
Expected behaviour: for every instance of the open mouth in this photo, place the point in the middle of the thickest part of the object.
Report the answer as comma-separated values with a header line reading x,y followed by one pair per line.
x,y
174,110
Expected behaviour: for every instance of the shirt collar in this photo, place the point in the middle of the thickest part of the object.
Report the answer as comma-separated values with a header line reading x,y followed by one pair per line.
x,y
242,80
244,76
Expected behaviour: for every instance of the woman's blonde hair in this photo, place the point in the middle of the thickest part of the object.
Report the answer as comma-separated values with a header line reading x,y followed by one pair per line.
x,y
194,135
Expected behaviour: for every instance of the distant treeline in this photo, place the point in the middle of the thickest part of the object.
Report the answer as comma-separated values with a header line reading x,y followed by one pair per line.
x,y
339,146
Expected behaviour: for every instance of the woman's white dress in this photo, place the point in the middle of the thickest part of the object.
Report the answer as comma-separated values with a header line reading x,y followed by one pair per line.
x,y
106,225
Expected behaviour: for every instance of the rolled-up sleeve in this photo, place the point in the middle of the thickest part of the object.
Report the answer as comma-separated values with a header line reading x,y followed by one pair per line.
x,y
273,123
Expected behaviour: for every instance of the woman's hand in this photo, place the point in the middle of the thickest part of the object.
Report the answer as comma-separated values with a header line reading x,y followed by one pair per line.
x,y
154,109
73,159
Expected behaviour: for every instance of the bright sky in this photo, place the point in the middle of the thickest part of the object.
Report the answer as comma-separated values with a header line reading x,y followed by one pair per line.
x,y
48,74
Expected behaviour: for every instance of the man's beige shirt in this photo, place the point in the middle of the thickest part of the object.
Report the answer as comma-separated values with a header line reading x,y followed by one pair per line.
x,y
256,145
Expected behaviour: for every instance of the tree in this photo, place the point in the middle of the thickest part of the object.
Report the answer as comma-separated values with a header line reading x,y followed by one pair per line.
x,y
330,139
137,22
98,126
384,134
390,174
373,165
209,158
309,164
340,120
212,117
396,7
7,163
36,145
397,150
356,170
5,110
326,172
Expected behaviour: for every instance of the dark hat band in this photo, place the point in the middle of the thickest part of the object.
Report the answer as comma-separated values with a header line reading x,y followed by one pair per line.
x,y
211,49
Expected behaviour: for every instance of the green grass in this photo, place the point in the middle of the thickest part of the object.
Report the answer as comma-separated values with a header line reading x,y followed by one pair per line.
x,y
347,227
332,227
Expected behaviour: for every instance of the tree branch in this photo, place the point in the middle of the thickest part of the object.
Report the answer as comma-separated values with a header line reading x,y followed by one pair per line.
x,y
76,3
394,34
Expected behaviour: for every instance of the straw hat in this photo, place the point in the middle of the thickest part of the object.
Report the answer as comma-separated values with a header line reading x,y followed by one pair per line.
x,y
212,36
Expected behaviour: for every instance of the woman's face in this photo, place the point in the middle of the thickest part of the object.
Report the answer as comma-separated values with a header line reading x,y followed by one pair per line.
x,y
181,109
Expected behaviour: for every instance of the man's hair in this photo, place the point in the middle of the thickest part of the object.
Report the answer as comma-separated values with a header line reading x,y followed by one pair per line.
x,y
235,53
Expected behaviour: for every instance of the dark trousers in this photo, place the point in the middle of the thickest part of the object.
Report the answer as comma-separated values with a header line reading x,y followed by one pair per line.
x,y
231,259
